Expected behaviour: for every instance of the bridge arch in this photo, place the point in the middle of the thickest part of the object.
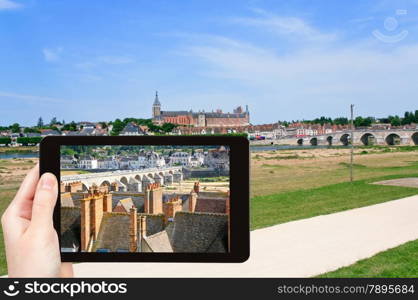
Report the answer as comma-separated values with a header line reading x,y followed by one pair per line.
x,y
300,142
329,140
138,177
368,139
414,138
393,139
345,139
124,180
314,141
105,182
84,188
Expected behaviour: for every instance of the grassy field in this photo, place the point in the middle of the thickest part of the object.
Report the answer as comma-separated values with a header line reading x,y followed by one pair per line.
x,y
275,172
291,184
12,172
288,206
401,261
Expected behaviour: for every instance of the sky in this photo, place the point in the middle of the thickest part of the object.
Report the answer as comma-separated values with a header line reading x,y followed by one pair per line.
x,y
298,59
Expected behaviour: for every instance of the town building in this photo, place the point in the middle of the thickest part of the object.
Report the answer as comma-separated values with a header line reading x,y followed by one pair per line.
x,y
87,162
133,129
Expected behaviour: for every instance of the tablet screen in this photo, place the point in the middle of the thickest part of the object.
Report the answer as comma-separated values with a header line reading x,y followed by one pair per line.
x,y
144,198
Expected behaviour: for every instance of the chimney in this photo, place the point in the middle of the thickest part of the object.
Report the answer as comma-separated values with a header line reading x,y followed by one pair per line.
x,y
107,202
96,213
196,187
143,222
133,230
170,208
153,199
85,222
192,201
62,187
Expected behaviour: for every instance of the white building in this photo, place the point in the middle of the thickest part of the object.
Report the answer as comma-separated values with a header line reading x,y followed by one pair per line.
x,y
150,159
218,159
180,159
87,162
107,163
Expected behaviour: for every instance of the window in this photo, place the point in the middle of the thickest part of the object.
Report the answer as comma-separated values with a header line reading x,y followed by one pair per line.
x,y
122,250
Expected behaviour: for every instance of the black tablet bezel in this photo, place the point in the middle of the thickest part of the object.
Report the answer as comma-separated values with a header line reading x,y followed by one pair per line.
x,y
239,191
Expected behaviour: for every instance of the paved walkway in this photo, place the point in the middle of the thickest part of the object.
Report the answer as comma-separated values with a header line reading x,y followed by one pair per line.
x,y
296,249
408,182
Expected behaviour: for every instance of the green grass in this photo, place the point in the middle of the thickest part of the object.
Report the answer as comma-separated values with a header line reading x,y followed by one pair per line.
x,y
401,261
288,206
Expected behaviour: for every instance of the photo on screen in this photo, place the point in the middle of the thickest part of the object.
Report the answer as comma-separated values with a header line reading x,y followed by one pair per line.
x,y
144,198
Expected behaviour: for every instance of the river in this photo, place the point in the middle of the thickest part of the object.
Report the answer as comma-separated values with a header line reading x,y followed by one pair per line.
x,y
11,155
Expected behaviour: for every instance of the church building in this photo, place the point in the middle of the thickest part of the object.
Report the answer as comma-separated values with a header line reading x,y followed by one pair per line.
x,y
217,118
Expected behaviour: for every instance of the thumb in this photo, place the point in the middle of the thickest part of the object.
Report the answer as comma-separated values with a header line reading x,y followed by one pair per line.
x,y
44,202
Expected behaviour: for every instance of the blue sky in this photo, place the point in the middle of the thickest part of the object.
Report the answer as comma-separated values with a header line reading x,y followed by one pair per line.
x,y
93,60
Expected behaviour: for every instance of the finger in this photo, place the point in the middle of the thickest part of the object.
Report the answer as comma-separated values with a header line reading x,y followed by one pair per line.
x,y
27,189
44,202
67,270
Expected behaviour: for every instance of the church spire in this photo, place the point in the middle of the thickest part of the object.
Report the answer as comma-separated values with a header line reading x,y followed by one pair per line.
x,y
156,101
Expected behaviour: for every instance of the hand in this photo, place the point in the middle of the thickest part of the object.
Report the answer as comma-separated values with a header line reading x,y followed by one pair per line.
x,y
31,241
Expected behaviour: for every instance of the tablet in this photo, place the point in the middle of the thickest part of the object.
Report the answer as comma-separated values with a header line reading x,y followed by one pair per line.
x,y
150,198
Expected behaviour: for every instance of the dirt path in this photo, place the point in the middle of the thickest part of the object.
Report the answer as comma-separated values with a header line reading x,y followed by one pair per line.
x,y
301,248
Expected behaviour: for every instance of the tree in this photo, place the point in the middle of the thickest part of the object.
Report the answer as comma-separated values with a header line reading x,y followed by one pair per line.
x,y
340,121
118,126
168,127
395,121
40,123
15,128
31,130
70,126
53,121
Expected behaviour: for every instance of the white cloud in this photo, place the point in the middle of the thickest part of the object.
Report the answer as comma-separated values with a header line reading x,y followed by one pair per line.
x,y
30,98
52,54
285,26
9,5
116,60
311,82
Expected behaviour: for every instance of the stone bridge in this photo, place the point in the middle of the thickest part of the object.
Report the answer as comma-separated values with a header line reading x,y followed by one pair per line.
x,y
127,180
361,137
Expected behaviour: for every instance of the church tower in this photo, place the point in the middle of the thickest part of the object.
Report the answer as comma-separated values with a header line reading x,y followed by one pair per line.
x,y
156,107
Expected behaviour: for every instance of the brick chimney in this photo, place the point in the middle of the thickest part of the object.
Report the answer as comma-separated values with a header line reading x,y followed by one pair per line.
x,y
153,199
192,201
171,207
133,230
85,221
96,212
196,187
107,202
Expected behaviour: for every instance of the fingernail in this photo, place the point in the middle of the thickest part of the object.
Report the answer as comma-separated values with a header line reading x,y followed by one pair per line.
x,y
47,182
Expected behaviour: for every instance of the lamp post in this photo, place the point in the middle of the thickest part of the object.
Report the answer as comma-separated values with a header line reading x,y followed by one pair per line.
x,y
352,142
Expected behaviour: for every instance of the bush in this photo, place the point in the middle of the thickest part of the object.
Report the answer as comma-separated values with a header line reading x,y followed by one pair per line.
x,y
29,140
5,140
